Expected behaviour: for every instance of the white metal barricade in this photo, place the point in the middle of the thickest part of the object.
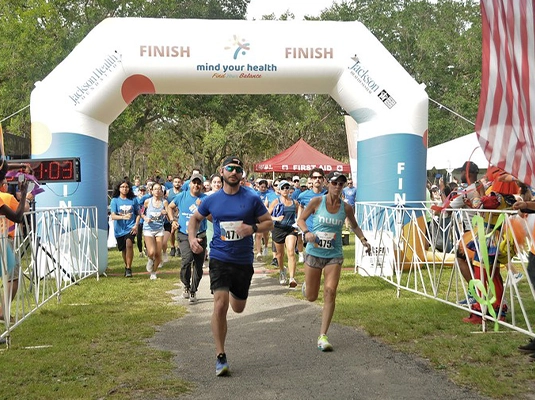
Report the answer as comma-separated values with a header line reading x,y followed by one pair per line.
x,y
416,250
53,249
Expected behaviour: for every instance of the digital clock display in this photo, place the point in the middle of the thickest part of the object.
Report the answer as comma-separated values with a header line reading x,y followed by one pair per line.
x,y
54,169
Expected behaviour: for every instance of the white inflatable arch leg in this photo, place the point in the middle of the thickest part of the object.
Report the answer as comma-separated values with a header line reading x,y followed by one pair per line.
x,y
72,108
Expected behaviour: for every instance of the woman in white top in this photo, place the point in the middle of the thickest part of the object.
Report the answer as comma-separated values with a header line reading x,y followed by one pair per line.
x,y
153,231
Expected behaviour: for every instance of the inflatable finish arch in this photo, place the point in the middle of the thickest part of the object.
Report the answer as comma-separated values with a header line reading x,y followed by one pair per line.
x,y
72,108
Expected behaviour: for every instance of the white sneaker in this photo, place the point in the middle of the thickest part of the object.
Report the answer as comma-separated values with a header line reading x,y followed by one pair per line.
x,y
323,343
165,257
282,276
265,253
193,298
293,283
153,276
301,258
185,293
259,257
150,263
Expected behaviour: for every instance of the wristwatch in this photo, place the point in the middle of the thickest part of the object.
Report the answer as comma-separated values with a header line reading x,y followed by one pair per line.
x,y
255,227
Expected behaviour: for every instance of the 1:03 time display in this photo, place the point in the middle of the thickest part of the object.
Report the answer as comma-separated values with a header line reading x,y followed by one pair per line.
x,y
55,169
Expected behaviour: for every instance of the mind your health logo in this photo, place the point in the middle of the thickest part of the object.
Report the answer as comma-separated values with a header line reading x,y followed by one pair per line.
x,y
239,45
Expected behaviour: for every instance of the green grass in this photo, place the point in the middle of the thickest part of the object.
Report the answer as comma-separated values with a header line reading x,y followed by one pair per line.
x,y
94,343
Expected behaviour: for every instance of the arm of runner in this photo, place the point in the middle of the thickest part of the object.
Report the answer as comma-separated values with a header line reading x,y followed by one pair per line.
x,y
307,212
193,227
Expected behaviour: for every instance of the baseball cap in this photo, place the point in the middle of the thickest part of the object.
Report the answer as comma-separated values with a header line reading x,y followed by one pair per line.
x,y
335,175
197,176
284,182
470,166
303,181
232,160
295,178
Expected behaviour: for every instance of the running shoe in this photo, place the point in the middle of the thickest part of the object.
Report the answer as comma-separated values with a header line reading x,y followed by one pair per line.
x,y
301,258
153,276
128,272
323,343
274,262
221,365
172,252
265,253
165,257
529,347
282,276
192,298
185,293
293,283
259,257
518,276
150,264
304,289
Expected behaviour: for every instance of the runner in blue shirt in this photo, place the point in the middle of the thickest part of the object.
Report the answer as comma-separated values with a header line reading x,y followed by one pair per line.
x,y
237,214
125,215
317,175
324,251
187,203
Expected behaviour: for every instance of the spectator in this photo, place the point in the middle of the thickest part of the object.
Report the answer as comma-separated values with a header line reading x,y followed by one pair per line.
x,y
13,210
528,207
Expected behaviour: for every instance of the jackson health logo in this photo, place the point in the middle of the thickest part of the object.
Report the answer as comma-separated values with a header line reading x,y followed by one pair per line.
x,y
239,45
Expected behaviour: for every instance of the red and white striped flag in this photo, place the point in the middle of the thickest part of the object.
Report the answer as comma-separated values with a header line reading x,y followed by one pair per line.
x,y
506,118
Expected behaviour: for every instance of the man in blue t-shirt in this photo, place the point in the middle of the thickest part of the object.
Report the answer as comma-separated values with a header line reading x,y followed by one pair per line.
x,y
237,214
317,175
187,203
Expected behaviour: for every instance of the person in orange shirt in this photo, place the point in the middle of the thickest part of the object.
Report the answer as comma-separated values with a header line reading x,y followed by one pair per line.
x,y
14,212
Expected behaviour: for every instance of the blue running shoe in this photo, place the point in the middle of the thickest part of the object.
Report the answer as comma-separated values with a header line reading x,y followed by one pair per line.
x,y
221,365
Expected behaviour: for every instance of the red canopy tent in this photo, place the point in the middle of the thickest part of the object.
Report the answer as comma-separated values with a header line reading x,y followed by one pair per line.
x,y
299,158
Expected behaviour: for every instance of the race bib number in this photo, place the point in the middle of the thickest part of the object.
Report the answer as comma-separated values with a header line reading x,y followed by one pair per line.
x,y
228,230
325,240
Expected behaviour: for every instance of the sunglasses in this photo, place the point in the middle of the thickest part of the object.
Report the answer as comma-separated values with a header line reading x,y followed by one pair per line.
x,y
317,177
231,168
285,187
336,183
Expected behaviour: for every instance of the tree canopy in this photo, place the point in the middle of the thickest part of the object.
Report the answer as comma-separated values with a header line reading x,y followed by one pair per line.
x,y
438,43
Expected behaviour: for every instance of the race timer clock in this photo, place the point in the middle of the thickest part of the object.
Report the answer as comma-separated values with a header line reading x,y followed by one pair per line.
x,y
53,169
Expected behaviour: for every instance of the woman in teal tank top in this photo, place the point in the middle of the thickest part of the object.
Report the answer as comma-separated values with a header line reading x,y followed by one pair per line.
x,y
324,248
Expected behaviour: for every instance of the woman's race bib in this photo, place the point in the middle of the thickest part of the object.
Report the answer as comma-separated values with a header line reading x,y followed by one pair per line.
x,y
228,230
325,240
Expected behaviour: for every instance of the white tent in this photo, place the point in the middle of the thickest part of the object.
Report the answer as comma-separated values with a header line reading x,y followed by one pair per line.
x,y
452,155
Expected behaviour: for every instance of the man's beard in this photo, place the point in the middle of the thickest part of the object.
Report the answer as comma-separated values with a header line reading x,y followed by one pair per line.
x,y
233,184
